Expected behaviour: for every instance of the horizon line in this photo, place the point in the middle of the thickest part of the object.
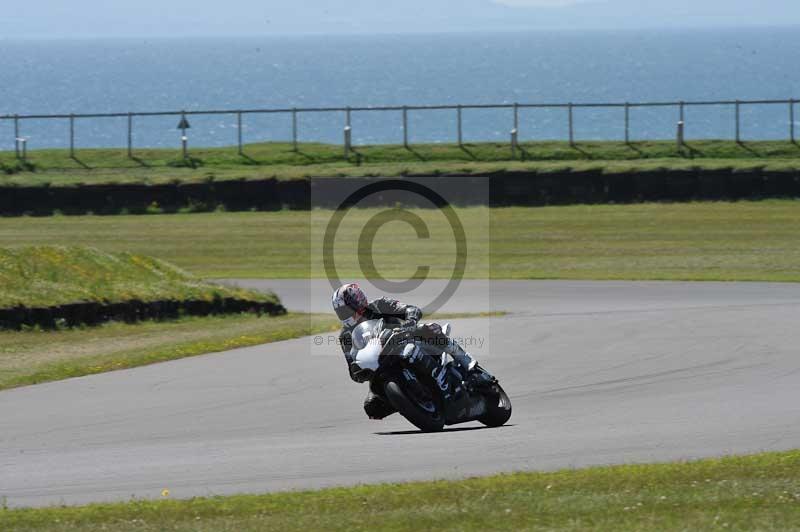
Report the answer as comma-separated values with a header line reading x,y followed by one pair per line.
x,y
565,29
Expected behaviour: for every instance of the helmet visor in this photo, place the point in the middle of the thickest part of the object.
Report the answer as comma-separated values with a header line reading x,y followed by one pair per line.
x,y
347,315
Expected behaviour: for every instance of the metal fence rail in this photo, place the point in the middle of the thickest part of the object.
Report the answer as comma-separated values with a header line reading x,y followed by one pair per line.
x,y
735,108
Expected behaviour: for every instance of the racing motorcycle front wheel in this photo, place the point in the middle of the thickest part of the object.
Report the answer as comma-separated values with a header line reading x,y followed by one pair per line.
x,y
417,404
498,410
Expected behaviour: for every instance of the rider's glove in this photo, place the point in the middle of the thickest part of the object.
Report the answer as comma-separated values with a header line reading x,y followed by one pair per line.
x,y
409,324
397,335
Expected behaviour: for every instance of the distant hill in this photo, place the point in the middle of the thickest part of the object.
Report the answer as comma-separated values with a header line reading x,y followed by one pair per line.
x,y
57,18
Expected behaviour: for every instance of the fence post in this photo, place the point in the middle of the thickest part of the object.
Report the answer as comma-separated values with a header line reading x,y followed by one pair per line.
x,y
405,126
571,126
791,122
682,111
294,129
680,136
627,123
239,132
738,123
515,132
184,138
72,136
130,135
460,127
16,136
348,133
24,143
514,142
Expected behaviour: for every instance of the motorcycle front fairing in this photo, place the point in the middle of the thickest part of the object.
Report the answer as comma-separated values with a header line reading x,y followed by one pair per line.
x,y
366,350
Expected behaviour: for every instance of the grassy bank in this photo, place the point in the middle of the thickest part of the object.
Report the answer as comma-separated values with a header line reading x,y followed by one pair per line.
x,y
278,160
33,356
48,276
687,241
740,493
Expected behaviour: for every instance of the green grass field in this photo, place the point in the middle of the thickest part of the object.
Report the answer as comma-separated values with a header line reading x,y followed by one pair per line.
x,y
278,160
759,492
46,276
681,241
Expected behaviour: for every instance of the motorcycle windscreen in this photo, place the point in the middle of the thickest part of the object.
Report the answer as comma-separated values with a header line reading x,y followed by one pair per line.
x,y
366,332
367,345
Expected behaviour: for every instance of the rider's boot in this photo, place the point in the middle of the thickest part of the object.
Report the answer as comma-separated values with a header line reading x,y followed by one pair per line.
x,y
375,404
464,359
475,374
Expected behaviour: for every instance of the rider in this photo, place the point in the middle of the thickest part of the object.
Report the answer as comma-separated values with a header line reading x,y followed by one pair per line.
x,y
352,307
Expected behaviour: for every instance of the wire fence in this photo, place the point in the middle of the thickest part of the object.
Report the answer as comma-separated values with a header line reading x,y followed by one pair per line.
x,y
571,116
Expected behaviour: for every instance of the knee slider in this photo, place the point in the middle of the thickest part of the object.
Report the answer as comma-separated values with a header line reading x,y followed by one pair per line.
x,y
377,408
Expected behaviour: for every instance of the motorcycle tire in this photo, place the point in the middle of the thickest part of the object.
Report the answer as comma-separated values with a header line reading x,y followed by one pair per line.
x,y
498,411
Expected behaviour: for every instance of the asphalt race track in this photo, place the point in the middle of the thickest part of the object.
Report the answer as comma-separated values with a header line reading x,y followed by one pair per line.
x,y
598,372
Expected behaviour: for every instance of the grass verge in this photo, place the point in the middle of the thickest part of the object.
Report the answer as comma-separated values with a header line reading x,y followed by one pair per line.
x,y
279,160
34,356
760,492
712,241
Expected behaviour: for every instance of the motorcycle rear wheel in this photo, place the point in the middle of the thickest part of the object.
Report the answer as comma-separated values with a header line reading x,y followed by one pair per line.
x,y
417,414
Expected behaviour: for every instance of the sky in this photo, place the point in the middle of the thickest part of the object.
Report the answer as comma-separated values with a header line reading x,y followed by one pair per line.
x,y
180,18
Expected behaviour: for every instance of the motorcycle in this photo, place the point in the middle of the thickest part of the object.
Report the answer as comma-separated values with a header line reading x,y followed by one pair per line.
x,y
429,401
